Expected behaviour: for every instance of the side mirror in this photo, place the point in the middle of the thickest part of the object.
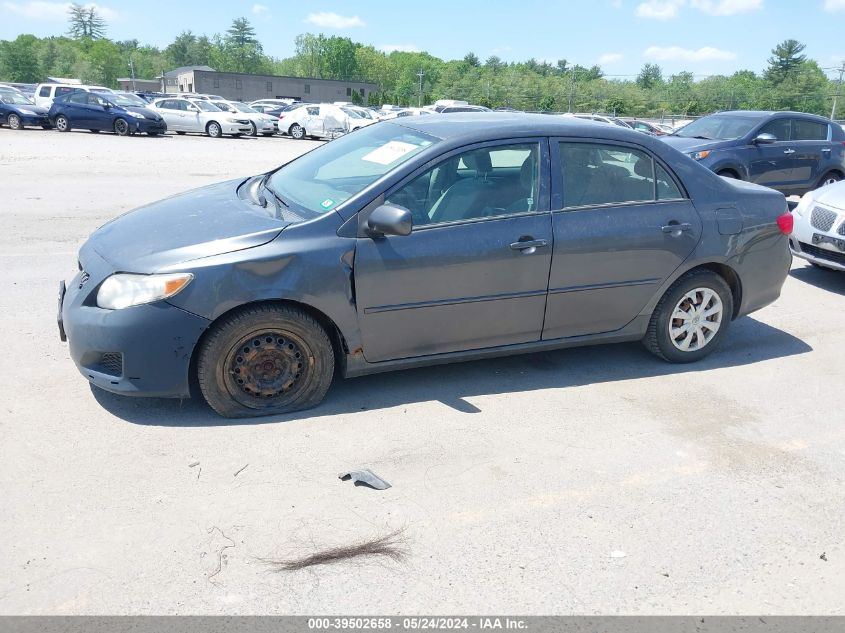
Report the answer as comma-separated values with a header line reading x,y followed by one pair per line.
x,y
764,139
193,108
389,219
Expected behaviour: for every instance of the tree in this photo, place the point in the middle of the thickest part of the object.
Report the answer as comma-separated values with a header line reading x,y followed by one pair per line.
x,y
650,76
471,59
18,60
85,22
785,60
240,51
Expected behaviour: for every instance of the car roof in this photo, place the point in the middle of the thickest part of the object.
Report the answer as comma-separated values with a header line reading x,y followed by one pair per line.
x,y
759,114
483,126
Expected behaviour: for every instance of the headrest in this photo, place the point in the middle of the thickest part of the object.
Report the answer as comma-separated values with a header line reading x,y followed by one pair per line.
x,y
479,161
643,168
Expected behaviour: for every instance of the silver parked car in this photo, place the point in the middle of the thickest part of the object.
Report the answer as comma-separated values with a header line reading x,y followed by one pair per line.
x,y
200,117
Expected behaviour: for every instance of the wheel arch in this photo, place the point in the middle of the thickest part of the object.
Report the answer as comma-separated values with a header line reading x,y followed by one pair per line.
x,y
731,278
340,347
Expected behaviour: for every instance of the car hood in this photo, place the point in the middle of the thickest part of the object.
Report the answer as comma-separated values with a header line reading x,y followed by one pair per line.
x,y
32,108
201,223
689,145
831,195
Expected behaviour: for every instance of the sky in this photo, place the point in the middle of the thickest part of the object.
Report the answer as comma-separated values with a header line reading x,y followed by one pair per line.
x,y
701,36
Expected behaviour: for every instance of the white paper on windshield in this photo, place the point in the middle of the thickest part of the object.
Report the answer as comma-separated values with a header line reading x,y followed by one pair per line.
x,y
392,151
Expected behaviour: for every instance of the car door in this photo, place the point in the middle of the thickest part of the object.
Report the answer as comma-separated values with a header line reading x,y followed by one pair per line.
x,y
77,111
622,225
474,271
169,111
99,113
772,164
314,122
812,151
192,117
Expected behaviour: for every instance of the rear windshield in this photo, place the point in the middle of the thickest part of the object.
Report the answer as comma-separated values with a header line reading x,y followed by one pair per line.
x,y
720,126
321,180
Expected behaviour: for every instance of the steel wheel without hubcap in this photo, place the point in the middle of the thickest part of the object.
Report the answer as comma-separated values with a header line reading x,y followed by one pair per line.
x,y
15,122
121,127
214,130
62,124
695,320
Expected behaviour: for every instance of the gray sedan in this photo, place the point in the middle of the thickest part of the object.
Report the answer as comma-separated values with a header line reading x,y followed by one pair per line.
x,y
418,241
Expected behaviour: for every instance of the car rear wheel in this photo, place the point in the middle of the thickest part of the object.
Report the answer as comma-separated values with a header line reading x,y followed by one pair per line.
x,y
265,360
121,127
214,130
691,318
830,178
14,122
297,131
62,124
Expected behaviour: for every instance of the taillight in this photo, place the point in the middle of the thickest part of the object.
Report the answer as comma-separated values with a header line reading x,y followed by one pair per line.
x,y
786,223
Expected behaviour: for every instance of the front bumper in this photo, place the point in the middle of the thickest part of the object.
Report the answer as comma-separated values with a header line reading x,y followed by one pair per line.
x,y
34,119
146,126
820,238
236,128
143,350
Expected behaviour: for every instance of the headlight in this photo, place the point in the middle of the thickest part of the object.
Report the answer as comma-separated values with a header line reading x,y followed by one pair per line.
x,y
137,115
232,121
123,289
25,111
804,204
700,155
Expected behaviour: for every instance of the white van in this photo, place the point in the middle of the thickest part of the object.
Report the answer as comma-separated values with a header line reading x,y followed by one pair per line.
x,y
45,93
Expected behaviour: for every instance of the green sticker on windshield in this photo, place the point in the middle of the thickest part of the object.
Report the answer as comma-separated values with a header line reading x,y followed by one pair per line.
x,y
328,203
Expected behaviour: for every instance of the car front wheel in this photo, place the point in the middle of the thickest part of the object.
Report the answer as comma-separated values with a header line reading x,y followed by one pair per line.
x,y
214,130
265,360
691,318
14,122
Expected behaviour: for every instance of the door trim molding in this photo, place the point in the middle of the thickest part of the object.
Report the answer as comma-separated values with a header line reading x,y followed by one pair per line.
x,y
613,284
449,302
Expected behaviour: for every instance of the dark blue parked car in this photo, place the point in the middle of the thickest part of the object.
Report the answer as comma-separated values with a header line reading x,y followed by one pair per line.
x,y
120,112
418,242
17,111
788,151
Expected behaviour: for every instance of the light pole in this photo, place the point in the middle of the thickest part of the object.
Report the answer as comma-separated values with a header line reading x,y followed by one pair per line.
x,y
838,92
420,74
132,74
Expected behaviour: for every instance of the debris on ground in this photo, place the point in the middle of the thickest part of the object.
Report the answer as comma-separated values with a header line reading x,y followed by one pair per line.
x,y
192,464
223,547
365,477
240,470
390,546
824,556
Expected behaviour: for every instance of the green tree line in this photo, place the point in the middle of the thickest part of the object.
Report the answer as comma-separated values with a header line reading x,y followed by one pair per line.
x,y
791,80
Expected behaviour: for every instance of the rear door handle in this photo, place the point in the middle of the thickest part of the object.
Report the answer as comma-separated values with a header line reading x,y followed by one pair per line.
x,y
789,151
528,246
676,227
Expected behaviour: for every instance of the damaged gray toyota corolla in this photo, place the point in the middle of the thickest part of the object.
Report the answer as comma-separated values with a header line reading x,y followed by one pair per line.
x,y
415,242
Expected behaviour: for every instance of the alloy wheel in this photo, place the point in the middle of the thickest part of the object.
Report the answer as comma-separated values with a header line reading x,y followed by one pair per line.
x,y
696,319
15,122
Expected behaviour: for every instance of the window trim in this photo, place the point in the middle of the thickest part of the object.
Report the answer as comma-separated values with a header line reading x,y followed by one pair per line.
x,y
544,197
827,138
557,176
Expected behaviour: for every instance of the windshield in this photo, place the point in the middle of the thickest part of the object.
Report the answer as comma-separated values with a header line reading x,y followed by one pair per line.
x,y
718,126
127,100
15,98
321,180
242,107
205,106
353,113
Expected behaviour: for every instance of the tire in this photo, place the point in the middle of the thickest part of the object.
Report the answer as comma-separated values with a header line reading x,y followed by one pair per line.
x,y
47,127
62,124
267,134
94,131
14,122
830,178
152,133
213,129
181,133
297,131
247,363
254,127
121,127
692,291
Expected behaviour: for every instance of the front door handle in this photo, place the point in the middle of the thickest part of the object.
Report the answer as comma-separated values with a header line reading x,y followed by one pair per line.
x,y
528,245
789,151
676,228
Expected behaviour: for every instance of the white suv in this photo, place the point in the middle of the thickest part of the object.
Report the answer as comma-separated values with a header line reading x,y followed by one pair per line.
x,y
45,93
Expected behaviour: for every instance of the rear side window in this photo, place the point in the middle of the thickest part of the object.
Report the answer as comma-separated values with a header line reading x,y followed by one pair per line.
x,y
79,97
595,173
44,92
667,189
63,90
779,128
803,130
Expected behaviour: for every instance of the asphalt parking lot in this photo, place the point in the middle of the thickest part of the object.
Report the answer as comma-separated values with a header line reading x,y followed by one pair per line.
x,y
595,480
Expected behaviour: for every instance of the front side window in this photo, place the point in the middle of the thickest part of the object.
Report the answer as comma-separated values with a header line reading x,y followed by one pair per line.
x,y
324,178
484,182
779,128
803,130
594,174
